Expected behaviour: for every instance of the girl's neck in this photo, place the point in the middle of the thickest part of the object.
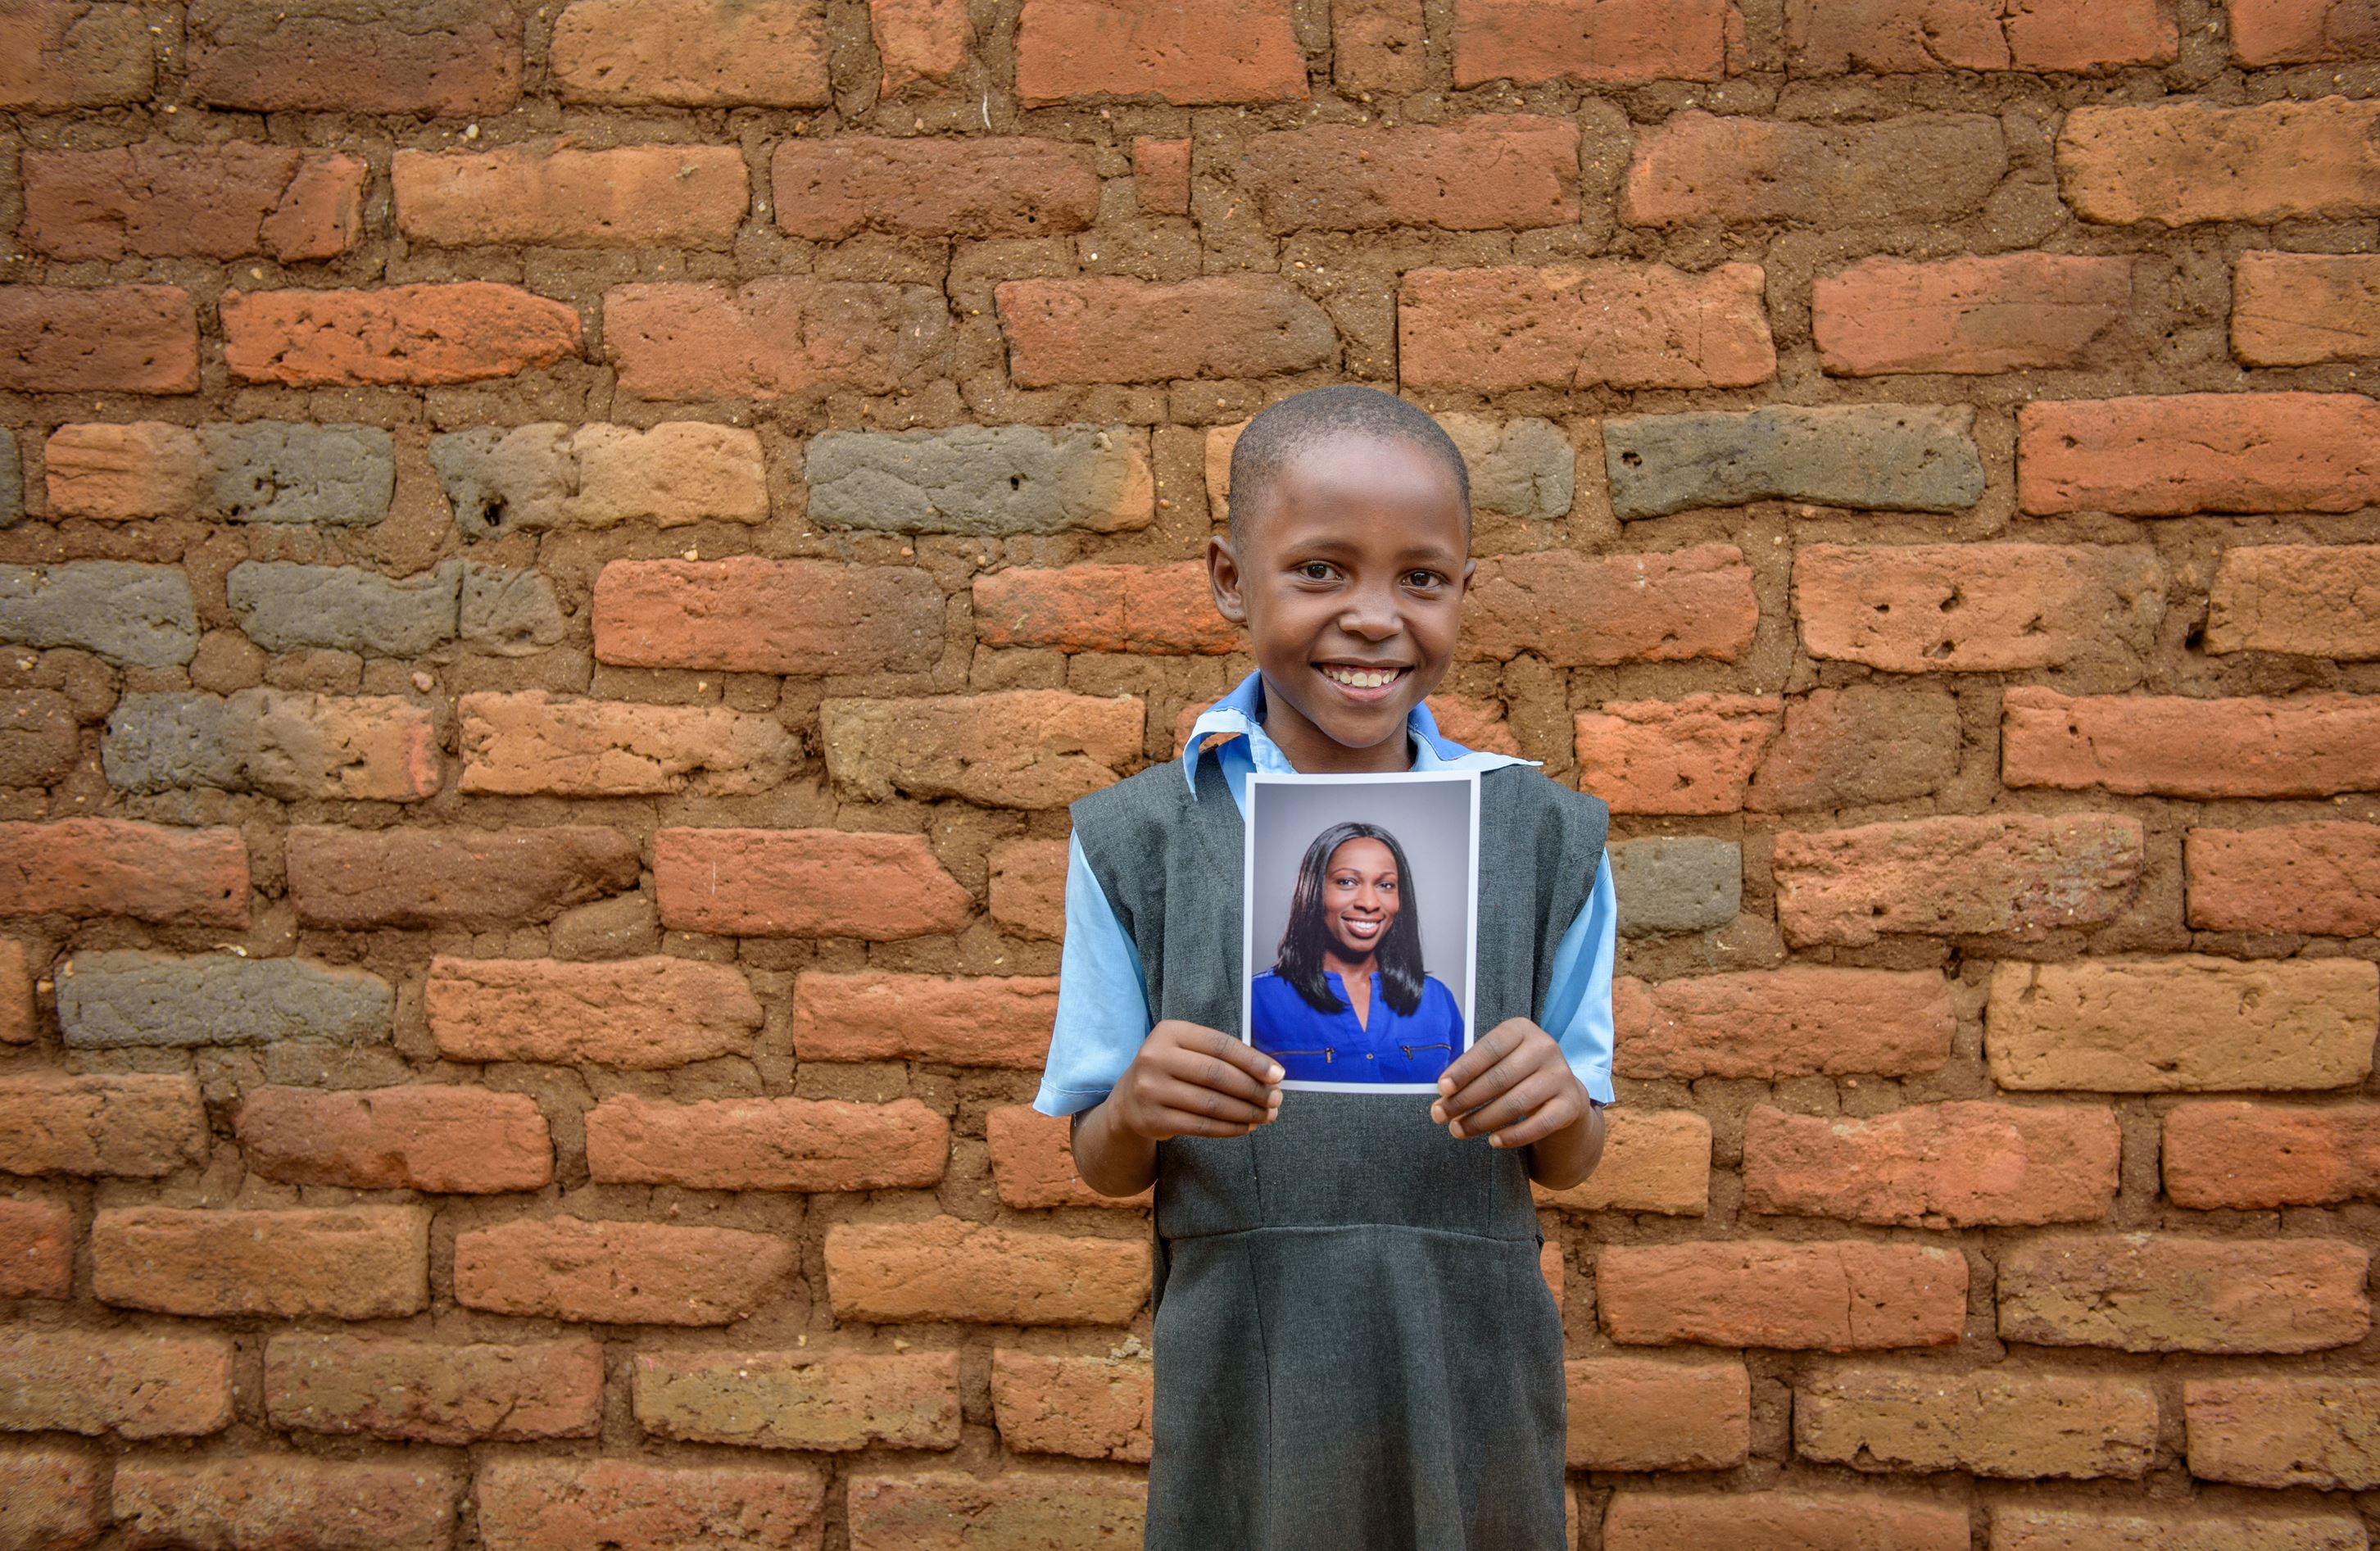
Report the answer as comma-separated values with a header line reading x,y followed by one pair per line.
x,y
1346,968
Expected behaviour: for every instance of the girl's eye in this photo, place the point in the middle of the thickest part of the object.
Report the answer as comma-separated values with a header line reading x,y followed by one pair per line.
x,y
1316,571
1388,885
1424,580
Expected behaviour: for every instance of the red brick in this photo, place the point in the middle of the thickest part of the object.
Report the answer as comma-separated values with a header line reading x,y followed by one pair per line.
x,y
1475,174
404,335
1825,1295
273,1501
1028,887
19,1019
2302,309
57,1122
2188,1024
2313,1430
1033,1162
2010,312
50,1499
1160,610
562,1505
643,1014
71,339
2309,746
340,1262
751,615
1789,1521
1603,324
1026,749
1016,1510
1926,168
1102,329
2251,1155
1831,37
980,186
441,57
814,1399
117,473
2016,1527
118,866
1691,755
621,1272
1474,723
36,1249
2158,1293
432,1391
1654,1161
357,879
1575,611
2171,454
70,53
1798,1021
2303,31
1160,175
1658,1413
1962,1163
693,53
946,1269
2179,162
2014,875
122,1382
804,883
423,1136
980,1020
777,337
1976,608
1989,1424
2306,599
638,196
1091,1408
1856,745
920,41
1379,45
767,1144
1529,42
222,201
1183,52
533,742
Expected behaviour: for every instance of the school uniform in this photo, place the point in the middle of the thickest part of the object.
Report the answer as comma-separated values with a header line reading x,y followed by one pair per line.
x,y
1385,1045
1355,1346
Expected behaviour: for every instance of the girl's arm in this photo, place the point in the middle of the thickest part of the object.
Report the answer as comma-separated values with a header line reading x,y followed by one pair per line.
x,y
1185,1081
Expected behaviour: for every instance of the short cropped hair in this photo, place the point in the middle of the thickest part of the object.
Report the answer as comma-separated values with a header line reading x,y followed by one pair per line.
x,y
1302,420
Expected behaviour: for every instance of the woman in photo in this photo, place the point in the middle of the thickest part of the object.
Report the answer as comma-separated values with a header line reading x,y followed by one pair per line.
x,y
1347,999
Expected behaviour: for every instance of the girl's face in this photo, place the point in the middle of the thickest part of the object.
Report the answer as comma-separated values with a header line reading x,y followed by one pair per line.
x,y
1360,896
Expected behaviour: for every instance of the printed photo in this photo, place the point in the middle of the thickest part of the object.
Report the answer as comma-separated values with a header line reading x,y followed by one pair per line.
x,y
1362,910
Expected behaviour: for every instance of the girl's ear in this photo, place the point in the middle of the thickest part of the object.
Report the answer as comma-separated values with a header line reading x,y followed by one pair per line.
x,y
1224,580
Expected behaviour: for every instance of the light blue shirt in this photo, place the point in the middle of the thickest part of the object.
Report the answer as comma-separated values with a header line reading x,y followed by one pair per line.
x,y
1103,1011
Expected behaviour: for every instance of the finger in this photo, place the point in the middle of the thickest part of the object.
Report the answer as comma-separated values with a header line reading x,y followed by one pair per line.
x,y
1484,1052
1192,1099
1494,1083
1181,1123
1200,1070
1238,1053
1518,1103
1563,1110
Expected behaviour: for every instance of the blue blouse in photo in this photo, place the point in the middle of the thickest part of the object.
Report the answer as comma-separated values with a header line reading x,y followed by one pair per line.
x,y
1391,1047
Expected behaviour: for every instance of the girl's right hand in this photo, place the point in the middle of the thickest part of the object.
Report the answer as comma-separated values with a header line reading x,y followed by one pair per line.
x,y
1193,1080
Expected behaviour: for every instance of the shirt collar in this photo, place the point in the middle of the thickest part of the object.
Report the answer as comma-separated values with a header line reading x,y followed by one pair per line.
x,y
1239,715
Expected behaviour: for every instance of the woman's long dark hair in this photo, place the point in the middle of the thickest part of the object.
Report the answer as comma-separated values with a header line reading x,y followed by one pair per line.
x,y
1399,954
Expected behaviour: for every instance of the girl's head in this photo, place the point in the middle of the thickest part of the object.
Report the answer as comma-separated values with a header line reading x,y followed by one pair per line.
x,y
1354,900
1347,558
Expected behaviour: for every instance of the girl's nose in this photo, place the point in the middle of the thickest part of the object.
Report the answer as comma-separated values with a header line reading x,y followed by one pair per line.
x,y
1371,614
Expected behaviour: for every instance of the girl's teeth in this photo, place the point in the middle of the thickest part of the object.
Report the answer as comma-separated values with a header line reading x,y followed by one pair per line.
x,y
1361,679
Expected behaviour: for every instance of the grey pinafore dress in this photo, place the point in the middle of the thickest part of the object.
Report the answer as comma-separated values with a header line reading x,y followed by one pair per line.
x,y
1354,1345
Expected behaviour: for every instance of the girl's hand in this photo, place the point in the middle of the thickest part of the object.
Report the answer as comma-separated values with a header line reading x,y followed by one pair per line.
x,y
1512,1087
1193,1080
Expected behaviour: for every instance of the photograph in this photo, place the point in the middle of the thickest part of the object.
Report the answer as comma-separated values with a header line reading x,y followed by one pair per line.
x,y
1362,911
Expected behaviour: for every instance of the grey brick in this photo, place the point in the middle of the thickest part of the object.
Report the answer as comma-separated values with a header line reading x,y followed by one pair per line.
x,y
279,472
1895,458
547,476
129,997
281,742
1684,883
980,480
508,612
1520,468
12,481
286,607
140,615
39,737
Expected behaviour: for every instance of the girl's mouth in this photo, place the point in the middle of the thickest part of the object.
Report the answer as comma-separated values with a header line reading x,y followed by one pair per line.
x,y
1363,683
1360,929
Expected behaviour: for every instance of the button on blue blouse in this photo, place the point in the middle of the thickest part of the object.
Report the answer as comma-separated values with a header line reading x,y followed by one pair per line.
x,y
1314,1046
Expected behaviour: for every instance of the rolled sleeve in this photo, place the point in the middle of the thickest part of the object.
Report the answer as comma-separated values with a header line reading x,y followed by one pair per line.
x,y
1578,1000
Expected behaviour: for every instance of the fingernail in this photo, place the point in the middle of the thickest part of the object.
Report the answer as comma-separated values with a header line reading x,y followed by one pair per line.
x,y
1446,1085
1275,1076
1495,1141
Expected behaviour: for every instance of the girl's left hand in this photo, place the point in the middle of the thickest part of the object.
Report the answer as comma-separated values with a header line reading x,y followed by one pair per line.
x,y
1512,1087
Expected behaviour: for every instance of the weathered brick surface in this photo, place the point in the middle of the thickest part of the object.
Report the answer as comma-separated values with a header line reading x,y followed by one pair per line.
x,y
1783,1022
946,1269
36,1249
1658,1413
356,878
39,743
1696,167
549,1504
275,1498
1680,883
920,41
283,606
1583,325
1091,1408
1960,1164
1619,41
2300,308
423,1136
121,997
134,339
767,1144
221,202
984,187
2308,745
825,1401
52,1497
2013,875
341,1262
1654,1161
1017,1511
1164,609
418,1391
1573,611
2182,452
1908,36
1975,607
1829,1295
144,1126
1110,330
980,1020
1805,1521
2191,1024
1028,748
2180,161
2309,1430
646,196
441,57
640,1013
2013,1425
1907,458
1160,174
2162,1292
1196,51
131,1384
2295,32
804,883
750,615
1028,887
2306,599
1478,175
1033,1162
19,1018
1974,316
532,742
781,336
1690,755
982,480
120,866
620,1273
66,53
693,53
2236,1153
550,476
275,743
1856,745
140,615
405,336
2025,1528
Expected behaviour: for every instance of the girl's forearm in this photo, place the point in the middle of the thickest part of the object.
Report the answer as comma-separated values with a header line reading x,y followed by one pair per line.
x,y
1569,1155
1111,1160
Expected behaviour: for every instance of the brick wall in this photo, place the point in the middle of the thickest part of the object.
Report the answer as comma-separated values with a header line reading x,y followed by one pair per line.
x,y
564,562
